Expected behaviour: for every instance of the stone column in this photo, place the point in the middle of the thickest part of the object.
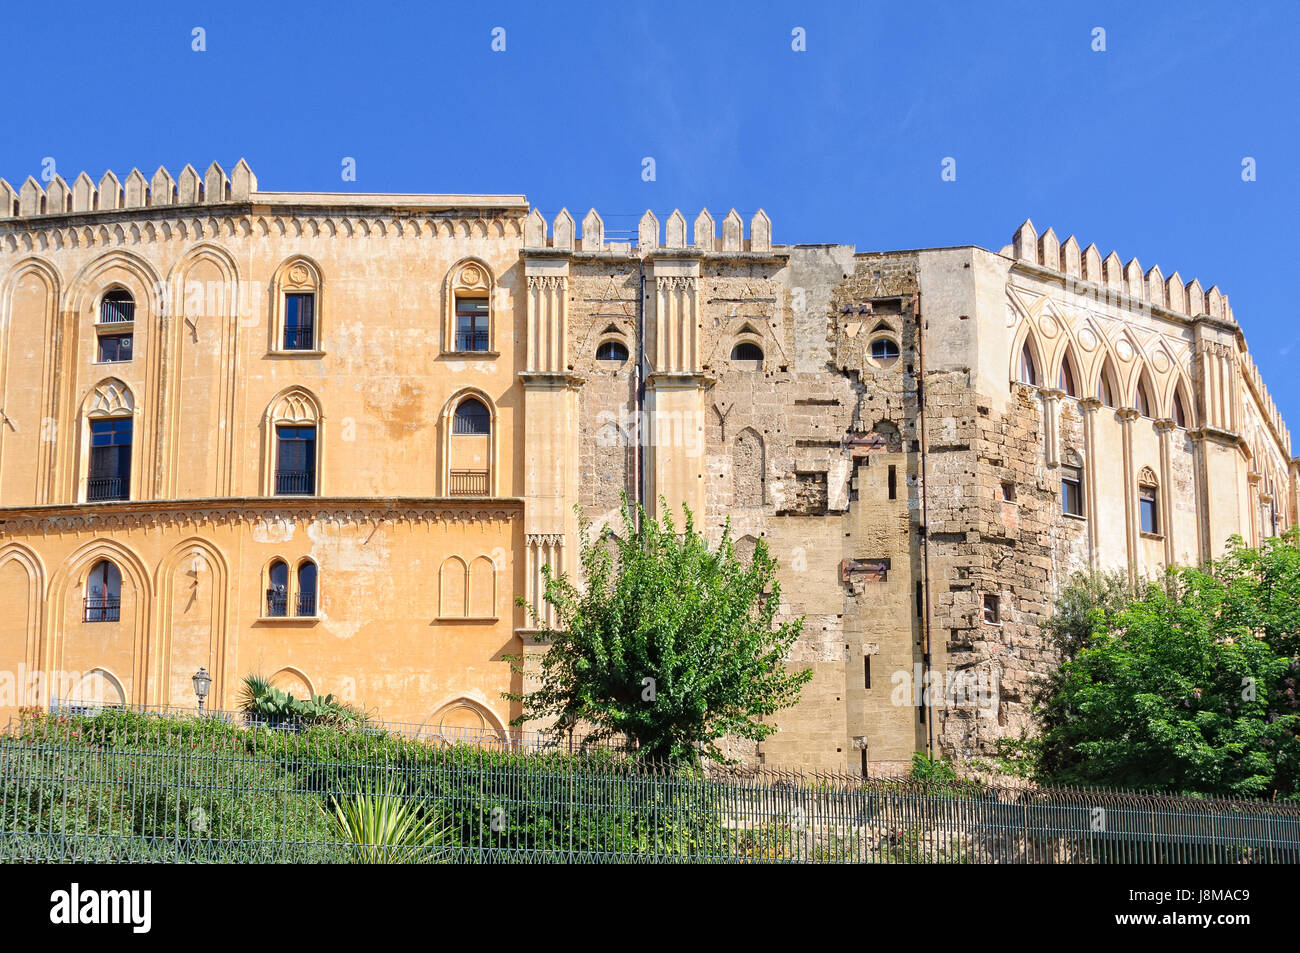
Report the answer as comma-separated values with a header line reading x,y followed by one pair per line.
x,y
1164,428
1052,424
1090,406
1127,415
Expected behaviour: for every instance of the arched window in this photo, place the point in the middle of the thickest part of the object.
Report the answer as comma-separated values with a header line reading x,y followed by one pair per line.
x,y
469,290
1106,387
1066,381
612,351
113,337
277,589
472,419
117,307
297,303
1180,415
1028,373
104,593
306,602
747,351
884,350
1142,400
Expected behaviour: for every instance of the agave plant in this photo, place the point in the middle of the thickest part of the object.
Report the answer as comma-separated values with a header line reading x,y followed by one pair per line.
x,y
382,827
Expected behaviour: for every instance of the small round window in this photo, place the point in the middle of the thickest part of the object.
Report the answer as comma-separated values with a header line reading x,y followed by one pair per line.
x,y
615,351
884,350
747,351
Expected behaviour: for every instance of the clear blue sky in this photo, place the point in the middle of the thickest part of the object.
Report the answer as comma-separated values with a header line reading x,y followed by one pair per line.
x,y
1138,148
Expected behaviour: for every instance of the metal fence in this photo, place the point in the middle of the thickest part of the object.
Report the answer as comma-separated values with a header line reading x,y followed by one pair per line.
x,y
121,786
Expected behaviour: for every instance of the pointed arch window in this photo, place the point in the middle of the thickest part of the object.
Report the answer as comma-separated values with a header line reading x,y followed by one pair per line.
x,y
293,445
104,593
1065,382
298,295
277,589
1028,373
1106,387
1142,399
1179,414
472,419
305,604
469,290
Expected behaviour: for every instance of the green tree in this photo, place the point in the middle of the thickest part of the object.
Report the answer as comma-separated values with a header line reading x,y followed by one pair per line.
x,y
665,640
1189,687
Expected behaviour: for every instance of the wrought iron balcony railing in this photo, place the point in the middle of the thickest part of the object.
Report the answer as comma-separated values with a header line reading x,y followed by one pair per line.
x,y
468,483
116,312
307,604
301,338
103,609
99,489
295,482
277,603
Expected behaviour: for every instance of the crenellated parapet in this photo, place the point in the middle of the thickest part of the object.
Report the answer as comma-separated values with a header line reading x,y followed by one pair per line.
x,y
652,235
1267,406
112,194
1116,277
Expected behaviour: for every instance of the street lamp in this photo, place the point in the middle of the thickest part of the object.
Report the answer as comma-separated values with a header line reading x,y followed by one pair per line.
x,y
202,682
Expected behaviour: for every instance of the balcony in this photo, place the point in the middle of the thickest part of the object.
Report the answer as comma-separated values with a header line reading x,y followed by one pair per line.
x,y
100,489
295,482
103,609
277,603
468,483
116,312
300,338
306,604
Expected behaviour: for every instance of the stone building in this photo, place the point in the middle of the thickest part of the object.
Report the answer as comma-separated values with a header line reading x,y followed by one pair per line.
x,y
329,438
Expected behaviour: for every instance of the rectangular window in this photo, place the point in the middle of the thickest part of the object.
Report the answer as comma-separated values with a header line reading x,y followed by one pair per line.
x,y
1071,491
1147,509
471,324
295,467
1008,492
114,348
992,612
299,322
866,670
893,482
920,601
109,475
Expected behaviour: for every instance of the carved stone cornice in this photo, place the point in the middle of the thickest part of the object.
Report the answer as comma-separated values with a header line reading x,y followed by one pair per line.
x,y
545,539
1224,437
149,514
551,380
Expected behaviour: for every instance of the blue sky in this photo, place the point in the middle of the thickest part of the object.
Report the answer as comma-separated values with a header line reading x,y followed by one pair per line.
x,y
1138,148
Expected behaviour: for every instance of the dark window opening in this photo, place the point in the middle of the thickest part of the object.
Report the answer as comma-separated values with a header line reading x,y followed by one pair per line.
x,y
299,322
472,419
866,670
472,326
307,589
920,600
747,351
295,468
1147,509
893,482
1180,417
612,351
992,611
1028,373
114,348
1105,392
277,590
1072,491
1143,402
103,593
1066,383
109,475
1008,492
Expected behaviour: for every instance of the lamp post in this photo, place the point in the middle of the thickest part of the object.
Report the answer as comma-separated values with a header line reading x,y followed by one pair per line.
x,y
202,682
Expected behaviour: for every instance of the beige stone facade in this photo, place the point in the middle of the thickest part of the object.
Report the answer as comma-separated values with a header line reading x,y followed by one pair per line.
x,y
357,426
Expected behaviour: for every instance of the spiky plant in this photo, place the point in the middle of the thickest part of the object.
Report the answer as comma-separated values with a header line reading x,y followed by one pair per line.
x,y
381,827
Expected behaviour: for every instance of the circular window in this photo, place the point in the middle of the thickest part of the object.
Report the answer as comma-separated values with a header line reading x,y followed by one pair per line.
x,y
615,351
884,351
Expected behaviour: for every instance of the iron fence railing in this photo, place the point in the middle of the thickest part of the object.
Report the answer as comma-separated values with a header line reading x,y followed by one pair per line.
x,y
100,489
295,482
102,609
300,338
468,483
116,311
121,787
476,340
